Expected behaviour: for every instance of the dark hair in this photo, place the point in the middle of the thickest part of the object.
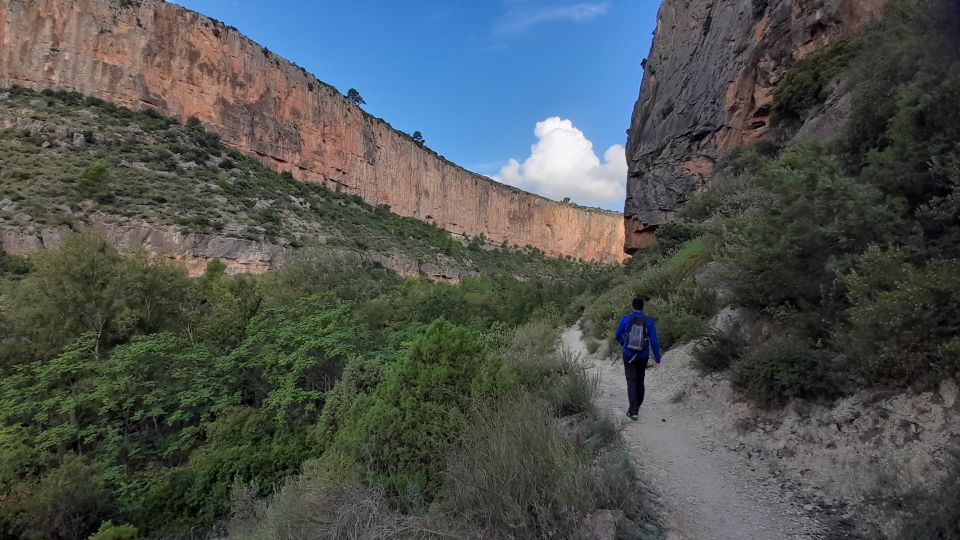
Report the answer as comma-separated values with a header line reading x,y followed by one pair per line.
x,y
638,303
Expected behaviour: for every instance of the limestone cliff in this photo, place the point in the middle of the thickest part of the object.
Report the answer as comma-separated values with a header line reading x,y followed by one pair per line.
x,y
708,86
240,256
148,53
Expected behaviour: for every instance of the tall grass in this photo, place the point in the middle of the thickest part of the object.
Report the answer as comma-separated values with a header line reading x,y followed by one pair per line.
x,y
514,475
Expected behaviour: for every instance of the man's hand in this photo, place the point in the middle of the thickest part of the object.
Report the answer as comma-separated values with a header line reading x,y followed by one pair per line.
x,y
656,365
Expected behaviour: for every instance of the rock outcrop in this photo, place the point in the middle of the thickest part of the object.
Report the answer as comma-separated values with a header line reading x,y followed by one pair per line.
x,y
148,53
708,87
239,256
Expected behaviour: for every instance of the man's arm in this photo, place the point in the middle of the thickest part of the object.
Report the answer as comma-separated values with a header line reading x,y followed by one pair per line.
x,y
654,344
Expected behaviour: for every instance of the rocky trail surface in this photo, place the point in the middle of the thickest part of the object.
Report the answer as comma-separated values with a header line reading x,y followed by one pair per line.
x,y
704,490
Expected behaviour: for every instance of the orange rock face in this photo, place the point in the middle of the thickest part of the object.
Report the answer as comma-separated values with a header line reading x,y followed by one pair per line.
x,y
152,54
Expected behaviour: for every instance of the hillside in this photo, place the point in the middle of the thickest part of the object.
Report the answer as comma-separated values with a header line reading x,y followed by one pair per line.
x,y
68,162
153,54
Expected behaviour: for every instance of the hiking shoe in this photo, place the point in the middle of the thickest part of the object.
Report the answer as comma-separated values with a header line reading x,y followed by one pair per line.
x,y
632,417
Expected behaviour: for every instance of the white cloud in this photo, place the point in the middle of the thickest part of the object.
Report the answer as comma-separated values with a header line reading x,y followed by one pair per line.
x,y
563,164
519,19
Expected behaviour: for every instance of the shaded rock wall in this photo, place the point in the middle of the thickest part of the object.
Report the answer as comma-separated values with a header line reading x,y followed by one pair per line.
x,y
148,53
708,87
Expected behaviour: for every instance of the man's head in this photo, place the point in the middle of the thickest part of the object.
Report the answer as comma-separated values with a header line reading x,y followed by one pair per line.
x,y
638,303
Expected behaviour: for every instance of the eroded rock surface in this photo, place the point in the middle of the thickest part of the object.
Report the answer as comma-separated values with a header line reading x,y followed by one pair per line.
x,y
240,256
148,53
708,87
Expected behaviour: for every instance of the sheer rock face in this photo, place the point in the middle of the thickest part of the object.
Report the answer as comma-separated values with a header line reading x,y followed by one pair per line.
x,y
148,53
708,87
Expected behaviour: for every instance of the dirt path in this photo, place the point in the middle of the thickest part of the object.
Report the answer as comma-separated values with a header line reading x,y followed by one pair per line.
x,y
707,492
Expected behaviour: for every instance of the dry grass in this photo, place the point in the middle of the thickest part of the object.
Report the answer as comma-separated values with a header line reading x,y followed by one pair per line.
x,y
515,475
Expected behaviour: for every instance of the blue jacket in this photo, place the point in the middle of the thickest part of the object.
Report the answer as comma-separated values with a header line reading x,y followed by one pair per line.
x,y
624,326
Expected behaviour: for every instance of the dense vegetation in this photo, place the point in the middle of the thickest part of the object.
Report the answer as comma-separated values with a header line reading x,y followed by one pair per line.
x,y
70,161
848,249
844,252
133,394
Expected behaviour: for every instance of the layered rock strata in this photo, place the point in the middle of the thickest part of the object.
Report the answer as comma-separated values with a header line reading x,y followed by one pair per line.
x,y
708,87
148,53
240,256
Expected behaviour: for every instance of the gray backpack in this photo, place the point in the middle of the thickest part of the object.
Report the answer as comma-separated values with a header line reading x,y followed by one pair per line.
x,y
637,338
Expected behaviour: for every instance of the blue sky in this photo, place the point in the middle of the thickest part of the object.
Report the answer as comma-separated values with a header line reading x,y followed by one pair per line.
x,y
478,77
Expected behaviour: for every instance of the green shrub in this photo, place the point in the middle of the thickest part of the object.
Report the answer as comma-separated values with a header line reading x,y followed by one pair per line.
x,y
718,351
680,316
402,429
67,503
776,372
904,320
292,355
806,84
810,220
671,236
904,112
244,445
13,266
109,531
95,180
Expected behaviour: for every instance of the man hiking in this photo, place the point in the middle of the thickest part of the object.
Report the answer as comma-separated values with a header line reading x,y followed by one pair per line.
x,y
637,334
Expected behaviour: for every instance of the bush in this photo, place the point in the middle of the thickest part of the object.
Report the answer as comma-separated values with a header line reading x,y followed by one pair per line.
x,y
514,475
904,320
533,361
570,390
671,236
806,84
67,503
109,531
243,445
779,371
811,219
680,316
326,500
718,351
401,430
292,356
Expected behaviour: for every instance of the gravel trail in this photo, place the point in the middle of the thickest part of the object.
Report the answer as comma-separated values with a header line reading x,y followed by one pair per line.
x,y
705,490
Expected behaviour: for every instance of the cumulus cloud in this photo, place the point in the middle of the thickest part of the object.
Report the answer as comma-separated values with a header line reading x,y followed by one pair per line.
x,y
563,164
519,19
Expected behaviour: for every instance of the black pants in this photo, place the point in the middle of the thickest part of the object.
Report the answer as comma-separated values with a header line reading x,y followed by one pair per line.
x,y
634,371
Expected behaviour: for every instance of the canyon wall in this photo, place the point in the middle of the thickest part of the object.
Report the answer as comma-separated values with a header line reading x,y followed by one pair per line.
x,y
708,87
149,53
